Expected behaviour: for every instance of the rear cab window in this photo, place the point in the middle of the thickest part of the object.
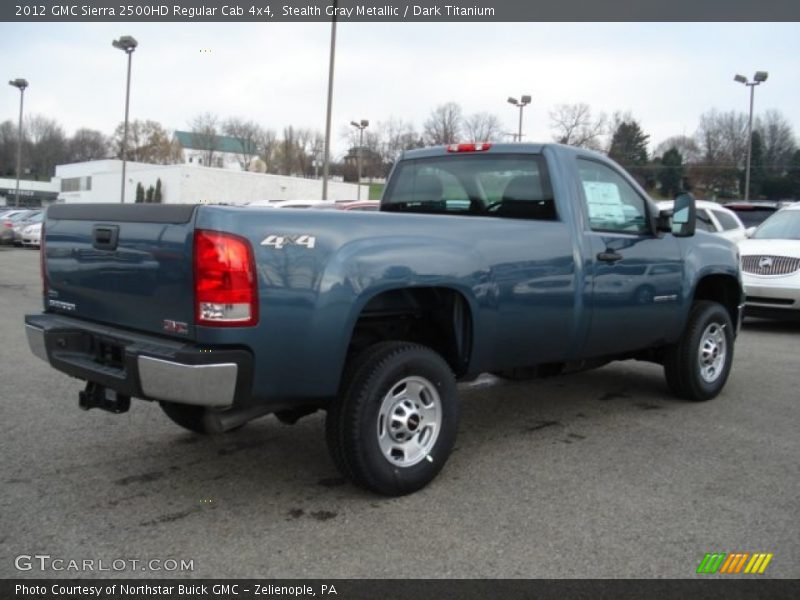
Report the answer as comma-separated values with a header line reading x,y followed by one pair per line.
x,y
499,185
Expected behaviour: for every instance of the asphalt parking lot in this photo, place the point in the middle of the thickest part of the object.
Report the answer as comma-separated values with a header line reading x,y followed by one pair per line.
x,y
600,474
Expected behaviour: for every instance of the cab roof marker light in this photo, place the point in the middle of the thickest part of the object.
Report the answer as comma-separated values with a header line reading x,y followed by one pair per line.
x,y
469,147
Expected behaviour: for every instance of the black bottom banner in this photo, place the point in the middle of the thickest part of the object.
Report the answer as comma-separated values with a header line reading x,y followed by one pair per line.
x,y
391,589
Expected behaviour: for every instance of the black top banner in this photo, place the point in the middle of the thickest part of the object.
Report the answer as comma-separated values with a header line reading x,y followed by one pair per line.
x,y
394,10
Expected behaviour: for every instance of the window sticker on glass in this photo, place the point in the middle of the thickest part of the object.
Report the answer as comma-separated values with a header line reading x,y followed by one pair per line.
x,y
604,202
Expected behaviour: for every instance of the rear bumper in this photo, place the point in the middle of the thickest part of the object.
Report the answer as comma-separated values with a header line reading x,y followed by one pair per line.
x,y
140,365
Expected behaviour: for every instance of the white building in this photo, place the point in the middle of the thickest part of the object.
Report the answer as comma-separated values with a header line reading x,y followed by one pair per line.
x,y
99,181
31,193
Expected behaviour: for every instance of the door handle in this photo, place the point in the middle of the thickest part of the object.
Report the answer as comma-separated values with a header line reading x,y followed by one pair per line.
x,y
105,237
609,256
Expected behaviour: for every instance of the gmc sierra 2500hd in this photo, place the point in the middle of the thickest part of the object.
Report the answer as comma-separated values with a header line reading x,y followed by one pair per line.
x,y
516,259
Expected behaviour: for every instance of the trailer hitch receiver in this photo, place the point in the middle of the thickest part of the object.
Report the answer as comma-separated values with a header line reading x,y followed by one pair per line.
x,y
97,396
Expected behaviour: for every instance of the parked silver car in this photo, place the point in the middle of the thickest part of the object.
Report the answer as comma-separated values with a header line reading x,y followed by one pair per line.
x,y
8,221
32,235
19,226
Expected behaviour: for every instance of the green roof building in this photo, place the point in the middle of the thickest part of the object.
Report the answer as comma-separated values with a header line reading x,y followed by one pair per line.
x,y
221,151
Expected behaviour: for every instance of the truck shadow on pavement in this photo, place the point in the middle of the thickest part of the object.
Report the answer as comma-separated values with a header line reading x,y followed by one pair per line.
x,y
270,459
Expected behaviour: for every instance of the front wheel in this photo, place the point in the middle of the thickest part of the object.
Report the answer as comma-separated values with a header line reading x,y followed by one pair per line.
x,y
698,365
394,425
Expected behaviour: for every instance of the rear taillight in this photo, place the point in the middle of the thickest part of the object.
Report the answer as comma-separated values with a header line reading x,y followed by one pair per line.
x,y
42,267
468,147
225,282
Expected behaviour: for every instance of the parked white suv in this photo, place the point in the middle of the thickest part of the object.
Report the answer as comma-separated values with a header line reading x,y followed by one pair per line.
x,y
771,266
715,218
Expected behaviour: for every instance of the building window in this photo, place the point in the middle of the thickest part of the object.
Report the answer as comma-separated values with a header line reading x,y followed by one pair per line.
x,y
76,184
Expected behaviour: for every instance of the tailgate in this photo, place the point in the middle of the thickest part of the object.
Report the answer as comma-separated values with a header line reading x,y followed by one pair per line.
x,y
127,265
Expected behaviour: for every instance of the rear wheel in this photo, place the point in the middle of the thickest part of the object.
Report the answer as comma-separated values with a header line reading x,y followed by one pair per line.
x,y
697,367
395,423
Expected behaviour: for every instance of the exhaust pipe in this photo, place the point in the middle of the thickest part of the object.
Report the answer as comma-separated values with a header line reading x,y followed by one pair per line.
x,y
219,421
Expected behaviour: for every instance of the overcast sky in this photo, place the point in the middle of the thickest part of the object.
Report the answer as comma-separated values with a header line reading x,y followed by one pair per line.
x,y
665,74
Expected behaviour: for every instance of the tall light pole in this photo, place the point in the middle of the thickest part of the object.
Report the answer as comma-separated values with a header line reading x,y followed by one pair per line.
x,y
759,78
326,159
521,103
20,84
127,44
361,126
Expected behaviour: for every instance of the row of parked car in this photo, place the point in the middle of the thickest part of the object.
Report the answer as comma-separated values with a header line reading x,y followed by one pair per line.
x,y
768,236
767,233
359,205
21,227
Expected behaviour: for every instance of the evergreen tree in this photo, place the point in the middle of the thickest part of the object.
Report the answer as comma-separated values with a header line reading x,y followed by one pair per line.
x,y
139,193
629,145
157,194
758,173
149,196
670,175
629,149
793,174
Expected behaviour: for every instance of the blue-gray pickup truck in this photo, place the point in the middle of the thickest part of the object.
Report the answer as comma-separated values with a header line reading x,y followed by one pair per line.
x,y
520,260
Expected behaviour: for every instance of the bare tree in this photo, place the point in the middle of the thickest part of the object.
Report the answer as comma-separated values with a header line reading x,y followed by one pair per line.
x,y
267,144
574,125
722,137
482,127
205,132
778,138
88,144
46,146
396,136
294,151
148,142
246,135
443,125
304,156
317,150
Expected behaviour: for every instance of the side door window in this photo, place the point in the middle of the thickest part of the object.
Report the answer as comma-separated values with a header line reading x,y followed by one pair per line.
x,y
612,204
727,222
704,221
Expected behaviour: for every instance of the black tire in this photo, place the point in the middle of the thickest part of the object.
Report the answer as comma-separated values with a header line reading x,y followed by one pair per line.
x,y
352,424
682,366
189,417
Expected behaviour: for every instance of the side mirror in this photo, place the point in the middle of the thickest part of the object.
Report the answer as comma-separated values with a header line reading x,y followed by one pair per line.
x,y
684,216
664,221
749,231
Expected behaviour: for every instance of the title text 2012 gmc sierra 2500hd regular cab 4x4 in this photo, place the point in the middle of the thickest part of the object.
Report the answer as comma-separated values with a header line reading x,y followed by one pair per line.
x,y
515,259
